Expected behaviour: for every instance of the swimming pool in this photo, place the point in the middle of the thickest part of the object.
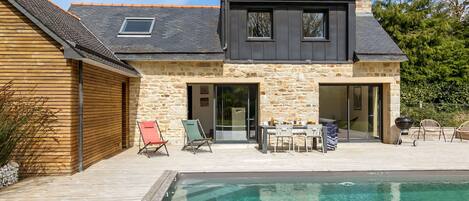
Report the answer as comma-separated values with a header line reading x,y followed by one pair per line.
x,y
322,186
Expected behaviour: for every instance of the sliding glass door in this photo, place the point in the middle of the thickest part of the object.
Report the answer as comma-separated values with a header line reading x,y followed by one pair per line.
x,y
333,108
235,113
364,112
355,109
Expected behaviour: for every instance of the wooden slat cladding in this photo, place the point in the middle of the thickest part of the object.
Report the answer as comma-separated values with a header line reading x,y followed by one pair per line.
x,y
102,113
33,60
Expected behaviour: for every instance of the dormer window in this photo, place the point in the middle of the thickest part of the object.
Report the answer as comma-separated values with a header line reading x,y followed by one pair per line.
x,y
137,26
314,25
259,25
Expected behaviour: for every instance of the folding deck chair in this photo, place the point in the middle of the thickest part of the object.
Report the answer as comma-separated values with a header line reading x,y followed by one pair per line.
x,y
195,135
150,134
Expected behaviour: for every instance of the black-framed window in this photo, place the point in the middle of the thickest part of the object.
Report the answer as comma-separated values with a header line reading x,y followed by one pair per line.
x,y
137,26
314,25
260,24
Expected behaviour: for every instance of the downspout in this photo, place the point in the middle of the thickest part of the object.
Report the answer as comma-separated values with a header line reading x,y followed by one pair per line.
x,y
80,116
224,8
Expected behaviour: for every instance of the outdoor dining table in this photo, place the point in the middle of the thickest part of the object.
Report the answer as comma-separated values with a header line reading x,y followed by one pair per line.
x,y
297,130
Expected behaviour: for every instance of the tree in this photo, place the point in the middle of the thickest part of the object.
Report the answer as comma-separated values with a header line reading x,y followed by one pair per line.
x,y
435,37
457,8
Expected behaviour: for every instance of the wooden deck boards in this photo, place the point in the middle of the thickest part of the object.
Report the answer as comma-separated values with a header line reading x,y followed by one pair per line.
x,y
129,176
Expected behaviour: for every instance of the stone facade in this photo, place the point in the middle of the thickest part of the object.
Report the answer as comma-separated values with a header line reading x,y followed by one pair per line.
x,y
363,6
161,94
287,91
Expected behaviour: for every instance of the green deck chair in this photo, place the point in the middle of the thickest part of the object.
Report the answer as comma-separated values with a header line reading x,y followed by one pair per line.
x,y
195,136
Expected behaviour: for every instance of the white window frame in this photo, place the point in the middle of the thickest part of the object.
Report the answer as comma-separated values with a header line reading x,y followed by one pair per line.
x,y
124,24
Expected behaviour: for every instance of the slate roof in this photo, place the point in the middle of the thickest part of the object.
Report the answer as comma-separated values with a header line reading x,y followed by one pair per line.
x,y
180,32
373,43
69,28
192,32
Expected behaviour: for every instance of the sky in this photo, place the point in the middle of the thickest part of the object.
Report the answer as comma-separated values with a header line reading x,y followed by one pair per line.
x,y
66,3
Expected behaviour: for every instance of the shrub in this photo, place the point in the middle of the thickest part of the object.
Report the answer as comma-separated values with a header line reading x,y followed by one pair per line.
x,y
446,103
448,115
23,117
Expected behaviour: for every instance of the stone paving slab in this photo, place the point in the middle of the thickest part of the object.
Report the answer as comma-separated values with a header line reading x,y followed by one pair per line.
x,y
129,176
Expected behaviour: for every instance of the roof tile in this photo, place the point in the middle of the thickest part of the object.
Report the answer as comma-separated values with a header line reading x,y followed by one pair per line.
x,y
178,29
70,28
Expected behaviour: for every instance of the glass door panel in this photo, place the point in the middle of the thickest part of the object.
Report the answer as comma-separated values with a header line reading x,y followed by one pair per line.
x,y
364,112
232,112
375,112
355,109
358,96
333,108
252,118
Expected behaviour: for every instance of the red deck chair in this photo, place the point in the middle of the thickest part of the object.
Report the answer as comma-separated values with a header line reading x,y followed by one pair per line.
x,y
150,134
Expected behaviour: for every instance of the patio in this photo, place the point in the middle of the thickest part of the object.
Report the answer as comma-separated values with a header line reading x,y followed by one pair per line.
x,y
129,176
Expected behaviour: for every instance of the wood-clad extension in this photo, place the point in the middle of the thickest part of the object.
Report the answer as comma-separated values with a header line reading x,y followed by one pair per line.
x,y
103,115
33,60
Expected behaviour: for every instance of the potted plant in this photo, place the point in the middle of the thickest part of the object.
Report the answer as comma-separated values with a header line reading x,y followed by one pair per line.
x,y
23,116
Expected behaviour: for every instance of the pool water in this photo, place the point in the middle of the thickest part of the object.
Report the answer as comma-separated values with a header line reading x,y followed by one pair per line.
x,y
329,187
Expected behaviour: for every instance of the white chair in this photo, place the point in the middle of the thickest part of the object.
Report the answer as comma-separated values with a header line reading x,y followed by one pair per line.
x,y
313,132
284,131
270,133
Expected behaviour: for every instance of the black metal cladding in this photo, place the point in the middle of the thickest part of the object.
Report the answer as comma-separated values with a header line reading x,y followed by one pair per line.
x,y
288,42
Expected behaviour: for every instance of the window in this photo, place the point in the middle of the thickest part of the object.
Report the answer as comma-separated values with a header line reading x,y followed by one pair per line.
x,y
137,26
260,24
314,25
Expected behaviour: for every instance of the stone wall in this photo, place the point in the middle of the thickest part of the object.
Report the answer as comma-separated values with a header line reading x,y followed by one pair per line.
x,y
287,91
161,94
363,6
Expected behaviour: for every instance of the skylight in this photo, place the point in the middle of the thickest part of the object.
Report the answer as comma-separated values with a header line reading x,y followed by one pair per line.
x,y
137,26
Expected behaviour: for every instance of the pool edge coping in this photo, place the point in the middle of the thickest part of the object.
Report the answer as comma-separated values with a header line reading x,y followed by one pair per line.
x,y
160,188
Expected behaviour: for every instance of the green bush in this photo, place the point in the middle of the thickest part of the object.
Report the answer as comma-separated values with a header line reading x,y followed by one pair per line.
x,y
448,115
23,118
446,103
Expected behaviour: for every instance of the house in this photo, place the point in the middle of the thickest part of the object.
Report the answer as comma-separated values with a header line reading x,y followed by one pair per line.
x,y
241,64
233,66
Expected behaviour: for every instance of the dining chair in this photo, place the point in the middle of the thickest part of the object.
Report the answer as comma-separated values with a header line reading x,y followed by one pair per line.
x,y
284,131
313,132
270,133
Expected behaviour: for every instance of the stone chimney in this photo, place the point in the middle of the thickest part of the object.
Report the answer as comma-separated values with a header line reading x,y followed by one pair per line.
x,y
363,6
